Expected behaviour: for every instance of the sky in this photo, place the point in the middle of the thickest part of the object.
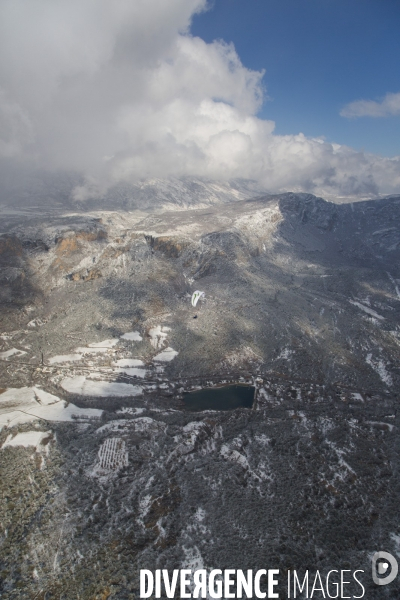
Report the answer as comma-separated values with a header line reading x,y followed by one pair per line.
x,y
319,56
299,95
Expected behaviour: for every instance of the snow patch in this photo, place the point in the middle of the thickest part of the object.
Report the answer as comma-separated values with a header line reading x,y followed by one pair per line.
x,y
380,368
388,426
132,336
286,353
262,439
112,457
234,456
36,323
117,425
166,355
130,366
396,287
158,336
62,358
147,424
396,539
12,352
200,514
44,397
193,560
367,310
242,355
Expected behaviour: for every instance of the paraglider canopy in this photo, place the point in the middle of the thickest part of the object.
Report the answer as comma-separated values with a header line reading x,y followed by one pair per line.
x,y
196,296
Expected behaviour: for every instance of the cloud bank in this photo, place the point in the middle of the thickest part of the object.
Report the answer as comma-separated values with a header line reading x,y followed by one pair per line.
x,y
388,107
121,91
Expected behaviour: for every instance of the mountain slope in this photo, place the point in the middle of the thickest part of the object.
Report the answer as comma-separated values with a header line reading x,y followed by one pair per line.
x,y
104,471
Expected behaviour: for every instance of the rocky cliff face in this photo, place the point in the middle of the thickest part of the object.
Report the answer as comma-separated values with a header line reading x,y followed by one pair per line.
x,y
103,470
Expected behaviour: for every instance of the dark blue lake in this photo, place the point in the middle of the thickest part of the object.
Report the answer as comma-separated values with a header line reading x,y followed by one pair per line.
x,y
226,397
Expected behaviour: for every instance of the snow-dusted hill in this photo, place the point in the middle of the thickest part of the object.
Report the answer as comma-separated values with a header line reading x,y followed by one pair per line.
x,y
155,194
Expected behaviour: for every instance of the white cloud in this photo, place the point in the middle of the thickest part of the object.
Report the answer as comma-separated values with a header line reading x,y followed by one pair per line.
x,y
15,127
121,91
389,106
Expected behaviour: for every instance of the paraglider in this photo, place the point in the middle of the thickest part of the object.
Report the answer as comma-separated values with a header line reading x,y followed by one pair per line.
x,y
196,297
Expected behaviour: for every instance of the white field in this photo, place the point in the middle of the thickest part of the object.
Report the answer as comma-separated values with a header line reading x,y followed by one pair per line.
x,y
113,454
88,387
27,404
139,424
87,350
105,343
27,438
62,358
